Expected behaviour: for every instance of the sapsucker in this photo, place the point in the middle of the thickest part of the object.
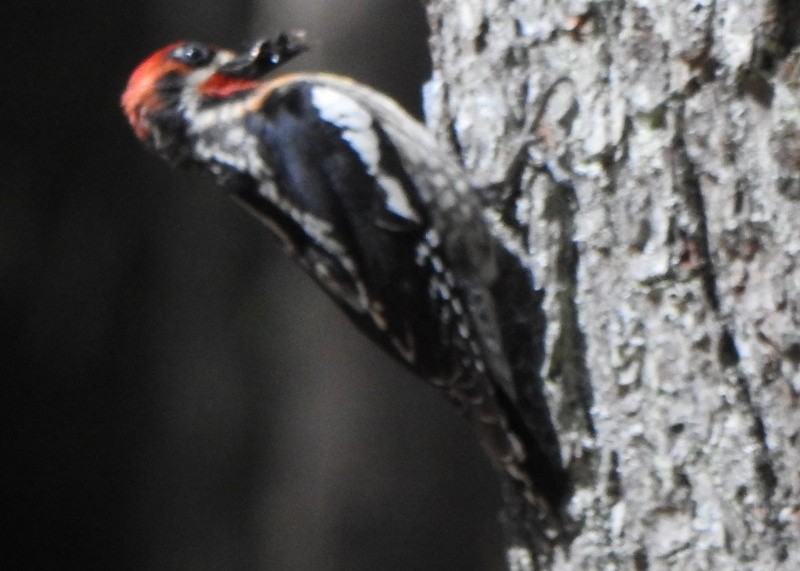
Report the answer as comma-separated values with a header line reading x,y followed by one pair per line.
x,y
369,204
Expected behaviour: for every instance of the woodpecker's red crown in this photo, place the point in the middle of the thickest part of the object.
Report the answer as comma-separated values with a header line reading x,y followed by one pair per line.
x,y
141,97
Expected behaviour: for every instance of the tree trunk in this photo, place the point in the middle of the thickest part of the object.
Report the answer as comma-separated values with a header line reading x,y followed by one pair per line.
x,y
660,197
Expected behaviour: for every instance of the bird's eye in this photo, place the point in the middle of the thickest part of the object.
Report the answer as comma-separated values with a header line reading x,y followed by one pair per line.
x,y
195,55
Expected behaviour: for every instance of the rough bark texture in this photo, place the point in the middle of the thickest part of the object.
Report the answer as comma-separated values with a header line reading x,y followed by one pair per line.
x,y
662,192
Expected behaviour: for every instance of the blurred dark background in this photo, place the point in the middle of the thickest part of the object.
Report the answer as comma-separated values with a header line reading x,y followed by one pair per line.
x,y
177,394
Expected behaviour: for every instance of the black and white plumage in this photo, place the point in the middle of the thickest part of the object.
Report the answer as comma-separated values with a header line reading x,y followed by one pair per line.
x,y
363,197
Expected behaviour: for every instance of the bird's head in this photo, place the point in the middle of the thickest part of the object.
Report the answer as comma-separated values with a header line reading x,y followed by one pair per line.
x,y
185,77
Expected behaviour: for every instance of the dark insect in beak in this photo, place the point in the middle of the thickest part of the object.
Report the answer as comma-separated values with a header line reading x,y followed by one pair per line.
x,y
266,55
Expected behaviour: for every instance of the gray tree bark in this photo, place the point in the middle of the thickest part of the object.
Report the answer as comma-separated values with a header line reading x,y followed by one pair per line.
x,y
660,195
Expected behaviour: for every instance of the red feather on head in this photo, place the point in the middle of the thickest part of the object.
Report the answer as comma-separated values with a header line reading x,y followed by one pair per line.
x,y
140,97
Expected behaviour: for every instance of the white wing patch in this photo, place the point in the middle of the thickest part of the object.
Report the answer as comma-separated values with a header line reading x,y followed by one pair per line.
x,y
354,121
397,199
356,125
